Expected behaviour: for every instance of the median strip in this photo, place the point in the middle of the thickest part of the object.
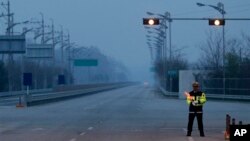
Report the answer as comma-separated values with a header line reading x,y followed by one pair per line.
x,y
32,100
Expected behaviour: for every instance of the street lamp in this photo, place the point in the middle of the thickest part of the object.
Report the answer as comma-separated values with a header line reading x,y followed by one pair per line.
x,y
40,34
151,21
220,9
11,26
42,27
165,18
159,38
163,34
216,22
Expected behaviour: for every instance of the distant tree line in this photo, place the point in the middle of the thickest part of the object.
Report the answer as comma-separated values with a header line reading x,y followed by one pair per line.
x,y
237,63
170,80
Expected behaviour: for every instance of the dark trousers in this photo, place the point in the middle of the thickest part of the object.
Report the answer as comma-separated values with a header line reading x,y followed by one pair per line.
x,y
191,121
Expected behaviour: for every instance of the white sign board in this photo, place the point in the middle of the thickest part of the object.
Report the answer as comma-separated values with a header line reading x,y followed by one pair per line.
x,y
12,44
39,51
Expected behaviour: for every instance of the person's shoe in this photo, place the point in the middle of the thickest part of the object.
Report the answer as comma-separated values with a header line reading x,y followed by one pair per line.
x,y
202,134
188,134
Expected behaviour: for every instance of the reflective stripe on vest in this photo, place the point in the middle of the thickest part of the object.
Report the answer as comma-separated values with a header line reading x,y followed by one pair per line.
x,y
195,112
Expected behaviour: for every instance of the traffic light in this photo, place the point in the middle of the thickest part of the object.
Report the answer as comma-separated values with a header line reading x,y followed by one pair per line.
x,y
151,21
216,22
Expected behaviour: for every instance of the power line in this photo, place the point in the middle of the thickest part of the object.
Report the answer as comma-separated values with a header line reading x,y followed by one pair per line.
x,y
193,12
239,6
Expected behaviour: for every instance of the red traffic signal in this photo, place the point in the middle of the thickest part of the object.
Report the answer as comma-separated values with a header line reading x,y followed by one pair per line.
x,y
151,21
216,22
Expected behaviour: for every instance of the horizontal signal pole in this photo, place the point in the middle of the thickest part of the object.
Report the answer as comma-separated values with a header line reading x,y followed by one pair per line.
x,y
232,19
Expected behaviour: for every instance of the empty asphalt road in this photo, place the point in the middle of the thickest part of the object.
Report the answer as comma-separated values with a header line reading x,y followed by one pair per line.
x,y
135,113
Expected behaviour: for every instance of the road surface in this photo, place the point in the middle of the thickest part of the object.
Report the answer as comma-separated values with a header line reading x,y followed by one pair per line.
x,y
135,113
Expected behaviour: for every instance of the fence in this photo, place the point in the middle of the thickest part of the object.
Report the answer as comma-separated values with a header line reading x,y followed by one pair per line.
x,y
233,86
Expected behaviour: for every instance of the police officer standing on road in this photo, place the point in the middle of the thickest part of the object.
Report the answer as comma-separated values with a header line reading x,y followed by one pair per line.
x,y
195,100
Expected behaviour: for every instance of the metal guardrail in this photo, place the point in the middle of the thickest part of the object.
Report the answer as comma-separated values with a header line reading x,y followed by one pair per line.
x,y
228,97
41,97
21,93
211,96
170,94
57,96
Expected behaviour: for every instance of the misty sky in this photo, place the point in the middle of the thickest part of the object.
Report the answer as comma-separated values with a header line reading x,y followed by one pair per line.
x,y
115,26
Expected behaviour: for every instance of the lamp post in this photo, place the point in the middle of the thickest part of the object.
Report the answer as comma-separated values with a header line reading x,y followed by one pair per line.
x,y
9,14
54,57
164,25
84,52
168,16
220,9
70,45
25,31
41,27
165,18
11,26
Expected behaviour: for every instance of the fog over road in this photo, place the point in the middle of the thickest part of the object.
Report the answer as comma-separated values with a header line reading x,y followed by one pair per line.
x,y
136,113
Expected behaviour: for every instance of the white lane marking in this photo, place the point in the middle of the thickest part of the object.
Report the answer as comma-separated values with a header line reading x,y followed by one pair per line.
x,y
190,139
83,133
73,139
6,107
37,129
2,130
90,128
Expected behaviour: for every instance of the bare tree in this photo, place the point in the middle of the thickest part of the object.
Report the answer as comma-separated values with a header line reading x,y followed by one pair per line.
x,y
237,62
176,63
211,56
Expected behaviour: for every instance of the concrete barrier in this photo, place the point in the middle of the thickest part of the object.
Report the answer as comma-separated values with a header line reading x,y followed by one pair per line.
x,y
228,97
32,100
208,96
21,93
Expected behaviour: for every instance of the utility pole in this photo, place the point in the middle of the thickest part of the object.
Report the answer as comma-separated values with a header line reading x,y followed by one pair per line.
x,y
220,8
223,42
164,38
8,33
42,28
53,40
9,55
170,36
54,57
